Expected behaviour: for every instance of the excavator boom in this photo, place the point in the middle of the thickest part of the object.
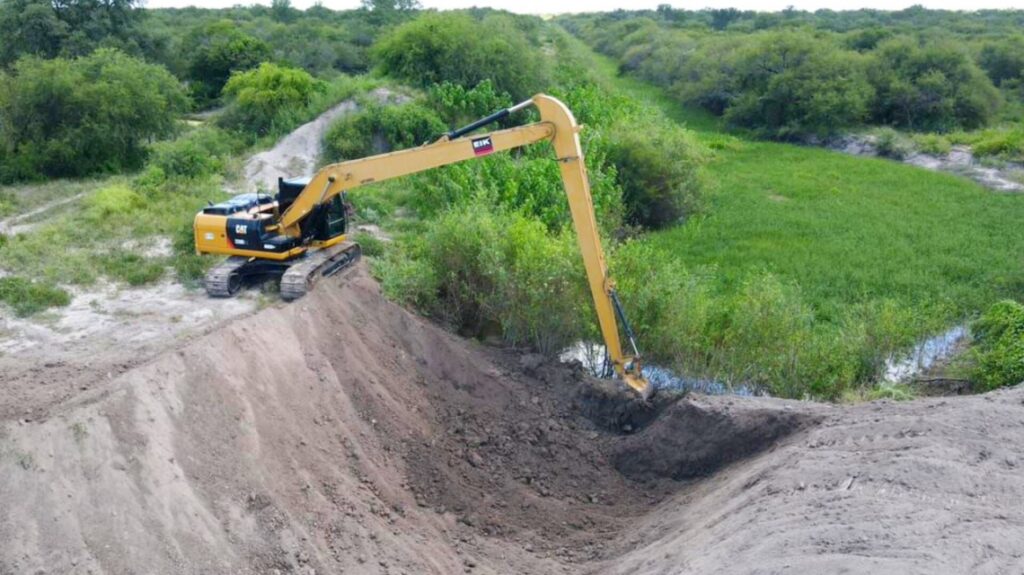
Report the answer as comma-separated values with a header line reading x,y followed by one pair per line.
x,y
557,125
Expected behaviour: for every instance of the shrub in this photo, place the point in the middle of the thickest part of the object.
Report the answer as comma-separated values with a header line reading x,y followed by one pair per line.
x,y
197,154
377,129
218,49
998,351
935,87
458,105
113,200
780,84
453,47
659,172
1003,60
189,267
268,97
474,267
131,268
26,297
92,114
1007,143
891,144
934,144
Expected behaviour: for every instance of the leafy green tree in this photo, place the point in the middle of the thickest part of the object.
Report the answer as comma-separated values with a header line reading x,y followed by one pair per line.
x,y
30,27
454,47
70,27
267,96
71,117
282,10
792,84
780,84
1004,60
220,48
932,87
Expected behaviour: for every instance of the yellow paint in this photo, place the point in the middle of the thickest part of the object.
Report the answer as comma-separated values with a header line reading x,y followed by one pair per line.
x,y
557,125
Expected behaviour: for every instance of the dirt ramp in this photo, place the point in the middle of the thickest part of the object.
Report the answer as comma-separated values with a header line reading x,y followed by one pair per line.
x,y
930,486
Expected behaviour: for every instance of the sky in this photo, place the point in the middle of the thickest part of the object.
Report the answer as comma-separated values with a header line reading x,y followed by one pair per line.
x,y
548,7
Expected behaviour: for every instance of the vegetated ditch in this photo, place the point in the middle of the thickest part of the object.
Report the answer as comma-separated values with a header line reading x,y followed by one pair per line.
x,y
899,368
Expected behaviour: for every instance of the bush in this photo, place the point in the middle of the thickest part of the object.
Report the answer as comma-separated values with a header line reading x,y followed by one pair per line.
x,y
891,144
113,200
26,297
1005,143
453,47
131,268
218,49
197,154
377,129
934,144
473,268
92,114
780,84
935,87
268,99
998,351
658,170
458,105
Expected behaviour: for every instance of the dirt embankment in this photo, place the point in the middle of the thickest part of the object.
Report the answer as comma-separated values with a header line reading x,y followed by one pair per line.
x,y
342,434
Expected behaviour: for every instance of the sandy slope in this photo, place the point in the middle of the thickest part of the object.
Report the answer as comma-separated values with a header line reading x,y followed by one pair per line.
x,y
342,434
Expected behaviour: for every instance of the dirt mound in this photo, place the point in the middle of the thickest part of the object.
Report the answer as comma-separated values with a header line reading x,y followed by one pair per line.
x,y
342,434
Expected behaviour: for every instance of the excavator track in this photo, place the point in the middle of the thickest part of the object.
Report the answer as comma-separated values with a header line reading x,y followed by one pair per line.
x,y
225,278
303,275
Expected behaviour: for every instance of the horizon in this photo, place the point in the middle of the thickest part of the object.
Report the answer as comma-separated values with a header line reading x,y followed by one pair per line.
x,y
542,7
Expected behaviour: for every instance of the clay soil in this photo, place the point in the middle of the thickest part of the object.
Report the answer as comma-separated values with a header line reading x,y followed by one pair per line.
x,y
343,434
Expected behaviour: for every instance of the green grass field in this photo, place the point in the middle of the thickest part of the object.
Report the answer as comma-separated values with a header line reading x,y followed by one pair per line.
x,y
864,257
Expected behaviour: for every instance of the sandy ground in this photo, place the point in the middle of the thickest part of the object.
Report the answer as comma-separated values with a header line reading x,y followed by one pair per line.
x,y
296,154
107,328
342,434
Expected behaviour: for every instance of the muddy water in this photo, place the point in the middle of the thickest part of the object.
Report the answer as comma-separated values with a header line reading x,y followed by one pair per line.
x,y
960,161
592,357
925,355
901,368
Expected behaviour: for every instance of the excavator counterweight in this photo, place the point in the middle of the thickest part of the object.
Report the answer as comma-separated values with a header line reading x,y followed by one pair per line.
x,y
299,235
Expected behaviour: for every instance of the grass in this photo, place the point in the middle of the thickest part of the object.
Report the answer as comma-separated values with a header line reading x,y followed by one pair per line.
x,y
867,255
26,298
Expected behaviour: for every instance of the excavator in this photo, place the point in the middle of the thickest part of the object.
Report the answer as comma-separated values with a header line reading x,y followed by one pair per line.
x,y
300,235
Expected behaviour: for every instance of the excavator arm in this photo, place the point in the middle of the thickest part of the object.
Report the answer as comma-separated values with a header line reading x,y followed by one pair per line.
x,y
558,126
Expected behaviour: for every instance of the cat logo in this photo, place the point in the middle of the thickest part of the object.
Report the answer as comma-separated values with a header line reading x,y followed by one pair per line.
x,y
241,229
483,146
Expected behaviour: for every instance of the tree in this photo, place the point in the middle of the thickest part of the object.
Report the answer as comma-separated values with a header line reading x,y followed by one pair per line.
x,y
72,117
220,48
931,87
268,96
69,27
30,27
1004,60
282,10
454,47
721,18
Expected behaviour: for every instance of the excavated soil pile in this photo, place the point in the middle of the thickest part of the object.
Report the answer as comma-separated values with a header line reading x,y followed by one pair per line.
x,y
342,434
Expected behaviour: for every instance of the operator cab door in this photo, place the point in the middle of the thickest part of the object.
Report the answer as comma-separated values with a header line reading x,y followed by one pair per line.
x,y
333,219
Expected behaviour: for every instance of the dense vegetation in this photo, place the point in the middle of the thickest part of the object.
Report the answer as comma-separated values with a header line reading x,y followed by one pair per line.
x,y
797,74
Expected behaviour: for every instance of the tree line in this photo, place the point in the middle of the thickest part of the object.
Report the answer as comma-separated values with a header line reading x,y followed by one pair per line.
x,y
793,74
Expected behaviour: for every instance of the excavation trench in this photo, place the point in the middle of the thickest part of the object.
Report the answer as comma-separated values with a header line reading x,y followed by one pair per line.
x,y
343,434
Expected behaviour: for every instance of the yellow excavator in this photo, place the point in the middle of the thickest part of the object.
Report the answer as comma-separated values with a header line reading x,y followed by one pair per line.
x,y
299,235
